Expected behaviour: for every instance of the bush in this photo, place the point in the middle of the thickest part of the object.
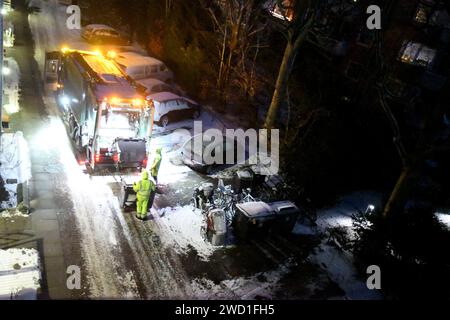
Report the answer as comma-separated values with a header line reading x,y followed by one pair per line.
x,y
410,247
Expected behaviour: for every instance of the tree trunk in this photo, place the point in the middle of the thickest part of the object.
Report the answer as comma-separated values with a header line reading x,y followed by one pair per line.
x,y
290,53
396,194
279,93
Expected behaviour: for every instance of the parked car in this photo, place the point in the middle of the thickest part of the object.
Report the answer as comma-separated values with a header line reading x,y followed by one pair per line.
x,y
141,67
170,107
194,157
101,34
153,86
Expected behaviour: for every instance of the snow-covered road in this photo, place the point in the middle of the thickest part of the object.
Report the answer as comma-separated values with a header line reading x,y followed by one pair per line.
x,y
116,251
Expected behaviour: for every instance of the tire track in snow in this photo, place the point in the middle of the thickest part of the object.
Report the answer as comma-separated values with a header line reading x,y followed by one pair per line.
x,y
167,278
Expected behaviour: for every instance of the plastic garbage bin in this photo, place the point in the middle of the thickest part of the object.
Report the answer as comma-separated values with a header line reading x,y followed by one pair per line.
x,y
258,218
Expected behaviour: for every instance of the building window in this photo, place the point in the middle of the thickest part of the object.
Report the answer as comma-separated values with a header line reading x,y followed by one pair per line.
x,y
417,54
427,13
285,11
422,14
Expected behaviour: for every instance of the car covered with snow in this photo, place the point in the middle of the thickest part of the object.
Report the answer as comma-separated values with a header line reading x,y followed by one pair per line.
x,y
139,67
101,34
153,86
196,156
170,107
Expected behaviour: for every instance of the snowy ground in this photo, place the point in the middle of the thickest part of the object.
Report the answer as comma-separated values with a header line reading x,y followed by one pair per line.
x,y
60,35
335,260
19,274
261,286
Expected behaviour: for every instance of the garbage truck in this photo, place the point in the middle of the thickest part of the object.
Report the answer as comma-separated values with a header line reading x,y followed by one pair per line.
x,y
106,112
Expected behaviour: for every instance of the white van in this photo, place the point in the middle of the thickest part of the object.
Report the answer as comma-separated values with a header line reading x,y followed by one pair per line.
x,y
170,107
140,67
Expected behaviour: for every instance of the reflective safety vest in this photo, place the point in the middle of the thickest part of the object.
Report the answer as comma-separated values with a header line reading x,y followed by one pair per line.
x,y
156,164
144,188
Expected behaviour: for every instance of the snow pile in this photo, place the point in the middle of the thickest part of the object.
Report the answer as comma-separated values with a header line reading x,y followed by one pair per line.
x,y
12,214
11,80
443,218
19,274
183,230
8,34
262,285
15,165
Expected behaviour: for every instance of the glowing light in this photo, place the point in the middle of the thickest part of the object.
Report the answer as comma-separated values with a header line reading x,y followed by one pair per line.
x,y
137,102
111,54
6,71
3,11
65,100
115,101
64,49
370,209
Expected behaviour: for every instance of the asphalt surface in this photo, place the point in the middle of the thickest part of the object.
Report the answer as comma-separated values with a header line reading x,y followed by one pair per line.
x,y
76,218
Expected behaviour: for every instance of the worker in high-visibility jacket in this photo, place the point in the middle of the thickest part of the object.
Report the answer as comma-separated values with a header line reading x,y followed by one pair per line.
x,y
156,164
144,189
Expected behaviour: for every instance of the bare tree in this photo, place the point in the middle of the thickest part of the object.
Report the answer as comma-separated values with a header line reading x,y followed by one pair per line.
x,y
169,5
237,24
297,20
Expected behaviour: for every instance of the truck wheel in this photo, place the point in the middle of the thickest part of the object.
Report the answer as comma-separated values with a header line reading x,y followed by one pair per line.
x,y
89,163
164,121
72,128
79,142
